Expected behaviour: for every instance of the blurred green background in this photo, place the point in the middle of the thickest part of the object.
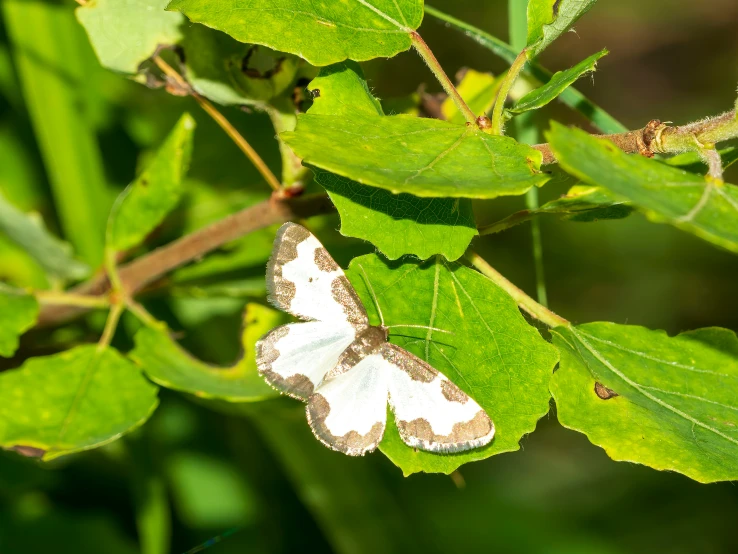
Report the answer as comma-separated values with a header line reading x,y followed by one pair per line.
x,y
71,136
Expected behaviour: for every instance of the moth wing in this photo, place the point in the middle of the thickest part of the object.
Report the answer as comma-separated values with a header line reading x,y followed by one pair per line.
x,y
431,412
304,280
294,358
348,413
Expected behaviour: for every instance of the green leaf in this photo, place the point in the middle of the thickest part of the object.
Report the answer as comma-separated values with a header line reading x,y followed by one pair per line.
x,y
700,206
28,231
478,90
400,153
570,97
146,202
548,19
423,157
19,313
675,407
340,89
77,400
397,224
322,33
167,364
559,83
125,33
230,72
490,352
400,224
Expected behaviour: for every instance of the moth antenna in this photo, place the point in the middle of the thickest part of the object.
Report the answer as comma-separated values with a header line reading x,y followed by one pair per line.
x,y
374,296
422,327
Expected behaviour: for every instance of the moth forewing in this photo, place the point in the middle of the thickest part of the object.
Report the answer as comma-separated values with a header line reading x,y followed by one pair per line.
x,y
304,280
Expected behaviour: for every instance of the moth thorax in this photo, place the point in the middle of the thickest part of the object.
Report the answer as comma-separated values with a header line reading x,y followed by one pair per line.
x,y
373,336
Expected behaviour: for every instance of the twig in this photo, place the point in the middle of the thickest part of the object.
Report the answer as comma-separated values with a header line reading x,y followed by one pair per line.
x,y
536,310
220,119
657,138
141,272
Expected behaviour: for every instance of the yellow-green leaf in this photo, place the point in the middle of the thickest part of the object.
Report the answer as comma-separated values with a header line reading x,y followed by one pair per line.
x,y
76,400
146,202
548,19
18,313
29,232
560,81
645,397
489,350
701,206
169,365
397,224
124,33
321,32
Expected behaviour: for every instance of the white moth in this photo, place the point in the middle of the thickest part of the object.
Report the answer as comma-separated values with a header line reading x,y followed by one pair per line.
x,y
344,367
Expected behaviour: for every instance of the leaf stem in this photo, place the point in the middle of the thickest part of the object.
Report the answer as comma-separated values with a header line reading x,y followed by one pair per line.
x,y
224,124
425,52
508,223
498,112
69,299
111,325
536,310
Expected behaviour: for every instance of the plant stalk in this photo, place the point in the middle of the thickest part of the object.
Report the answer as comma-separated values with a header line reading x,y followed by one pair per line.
x,y
224,124
425,52
536,310
498,112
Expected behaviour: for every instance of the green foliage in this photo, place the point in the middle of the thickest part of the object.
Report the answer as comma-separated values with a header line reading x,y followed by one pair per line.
x,y
28,232
570,97
397,224
560,81
321,33
697,205
167,364
549,19
224,450
154,193
76,400
56,69
19,312
229,72
488,349
400,224
423,157
125,33
667,402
